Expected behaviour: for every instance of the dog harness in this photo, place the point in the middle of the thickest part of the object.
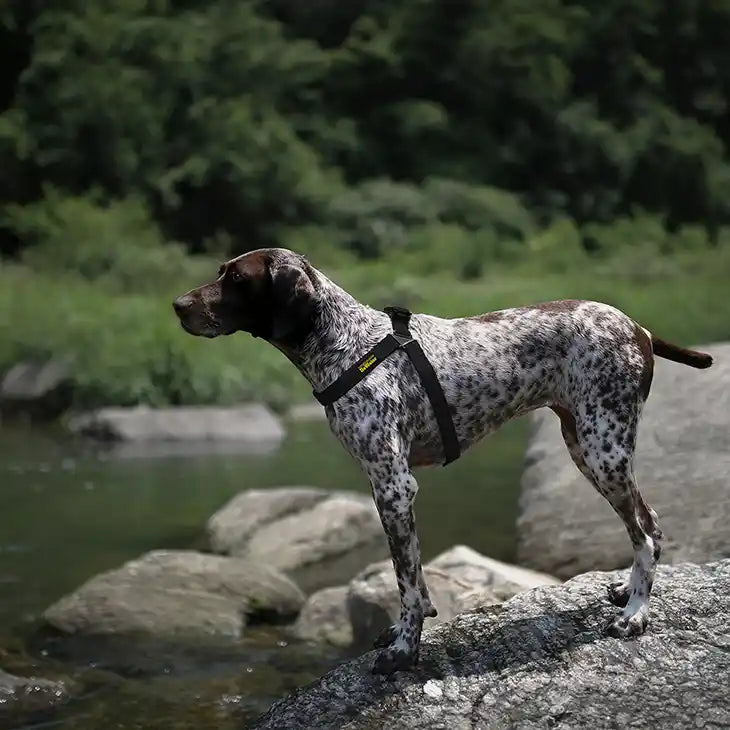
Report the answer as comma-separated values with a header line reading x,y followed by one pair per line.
x,y
400,339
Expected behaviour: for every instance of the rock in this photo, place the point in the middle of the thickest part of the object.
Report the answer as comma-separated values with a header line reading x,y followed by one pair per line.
x,y
480,572
324,618
177,593
251,425
456,579
373,602
306,412
319,537
42,390
683,458
28,696
541,660
230,528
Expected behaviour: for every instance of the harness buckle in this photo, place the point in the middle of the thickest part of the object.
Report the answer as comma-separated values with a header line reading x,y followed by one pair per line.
x,y
398,312
399,318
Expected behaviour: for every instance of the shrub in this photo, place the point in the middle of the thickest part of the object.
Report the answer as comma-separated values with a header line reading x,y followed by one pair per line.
x,y
374,217
477,206
117,243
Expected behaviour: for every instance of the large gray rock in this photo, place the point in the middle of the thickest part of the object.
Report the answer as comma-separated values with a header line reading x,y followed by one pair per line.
x,y
233,525
324,618
248,426
27,696
541,660
319,537
682,468
306,413
177,593
458,579
39,389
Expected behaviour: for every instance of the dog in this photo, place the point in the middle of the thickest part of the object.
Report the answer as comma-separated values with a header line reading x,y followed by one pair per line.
x,y
589,362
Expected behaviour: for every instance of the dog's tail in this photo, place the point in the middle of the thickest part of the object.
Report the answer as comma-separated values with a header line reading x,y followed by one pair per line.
x,y
668,351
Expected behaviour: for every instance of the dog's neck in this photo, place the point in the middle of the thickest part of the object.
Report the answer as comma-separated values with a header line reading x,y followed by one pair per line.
x,y
342,331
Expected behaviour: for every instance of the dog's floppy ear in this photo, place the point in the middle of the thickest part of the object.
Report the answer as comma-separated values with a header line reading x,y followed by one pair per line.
x,y
294,299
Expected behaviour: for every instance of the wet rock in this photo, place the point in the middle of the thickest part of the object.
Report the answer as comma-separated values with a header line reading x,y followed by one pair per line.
x,y
40,390
683,458
541,660
324,618
317,536
250,426
24,697
177,593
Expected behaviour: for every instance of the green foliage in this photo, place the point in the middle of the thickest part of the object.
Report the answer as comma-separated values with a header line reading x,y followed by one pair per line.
x,y
116,244
450,155
247,119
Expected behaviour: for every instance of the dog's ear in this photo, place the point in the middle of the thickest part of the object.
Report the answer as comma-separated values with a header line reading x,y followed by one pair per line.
x,y
294,301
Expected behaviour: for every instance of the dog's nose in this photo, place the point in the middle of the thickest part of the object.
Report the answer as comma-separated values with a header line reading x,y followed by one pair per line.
x,y
181,304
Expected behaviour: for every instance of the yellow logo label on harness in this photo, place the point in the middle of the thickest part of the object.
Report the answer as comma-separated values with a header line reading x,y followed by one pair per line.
x,y
368,363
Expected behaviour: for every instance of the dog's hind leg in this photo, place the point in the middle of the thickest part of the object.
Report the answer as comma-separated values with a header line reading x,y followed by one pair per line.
x,y
607,440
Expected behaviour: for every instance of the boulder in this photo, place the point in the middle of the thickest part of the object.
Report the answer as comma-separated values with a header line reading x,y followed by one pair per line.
x,y
324,618
319,537
23,697
306,412
232,526
482,573
459,579
248,426
456,579
177,593
541,660
41,390
682,464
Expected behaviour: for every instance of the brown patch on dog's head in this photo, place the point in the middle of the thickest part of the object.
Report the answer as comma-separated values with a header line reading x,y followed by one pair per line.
x,y
270,293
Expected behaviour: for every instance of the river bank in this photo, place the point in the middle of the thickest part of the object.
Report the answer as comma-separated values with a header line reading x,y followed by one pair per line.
x,y
73,509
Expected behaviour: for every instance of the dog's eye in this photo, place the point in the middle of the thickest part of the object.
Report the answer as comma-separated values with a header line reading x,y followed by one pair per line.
x,y
235,276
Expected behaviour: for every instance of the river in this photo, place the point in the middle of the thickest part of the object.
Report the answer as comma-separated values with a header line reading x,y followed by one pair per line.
x,y
69,510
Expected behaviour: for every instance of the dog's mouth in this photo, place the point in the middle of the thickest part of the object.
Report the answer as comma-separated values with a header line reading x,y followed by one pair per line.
x,y
209,332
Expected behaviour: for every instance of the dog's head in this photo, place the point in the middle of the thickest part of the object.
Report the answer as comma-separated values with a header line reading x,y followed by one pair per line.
x,y
269,292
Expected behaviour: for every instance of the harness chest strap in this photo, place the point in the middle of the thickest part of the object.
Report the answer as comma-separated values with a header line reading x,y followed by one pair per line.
x,y
400,338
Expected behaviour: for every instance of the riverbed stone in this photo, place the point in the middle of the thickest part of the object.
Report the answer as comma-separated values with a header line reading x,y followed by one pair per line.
x,y
24,697
457,578
39,389
682,464
307,413
177,593
319,537
250,425
324,618
542,660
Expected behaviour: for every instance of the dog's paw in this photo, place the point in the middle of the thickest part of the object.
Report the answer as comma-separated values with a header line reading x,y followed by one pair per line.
x,y
393,659
627,627
618,593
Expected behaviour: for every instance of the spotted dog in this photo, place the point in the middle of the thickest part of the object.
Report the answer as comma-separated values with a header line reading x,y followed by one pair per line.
x,y
588,362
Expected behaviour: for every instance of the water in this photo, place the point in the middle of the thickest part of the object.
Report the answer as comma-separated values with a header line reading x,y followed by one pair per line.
x,y
69,510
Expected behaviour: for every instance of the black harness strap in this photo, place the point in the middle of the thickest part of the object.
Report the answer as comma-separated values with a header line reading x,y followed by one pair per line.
x,y
401,338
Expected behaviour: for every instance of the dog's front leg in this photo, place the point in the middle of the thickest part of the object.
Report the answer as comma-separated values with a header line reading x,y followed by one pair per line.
x,y
394,489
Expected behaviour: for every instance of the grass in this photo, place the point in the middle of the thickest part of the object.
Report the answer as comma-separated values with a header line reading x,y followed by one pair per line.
x,y
125,347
